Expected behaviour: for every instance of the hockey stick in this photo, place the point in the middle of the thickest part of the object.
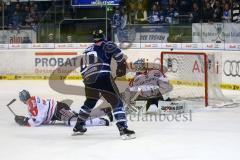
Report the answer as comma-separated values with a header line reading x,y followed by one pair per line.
x,y
8,105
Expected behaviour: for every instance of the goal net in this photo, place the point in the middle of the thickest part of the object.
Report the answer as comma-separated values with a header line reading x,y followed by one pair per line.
x,y
196,77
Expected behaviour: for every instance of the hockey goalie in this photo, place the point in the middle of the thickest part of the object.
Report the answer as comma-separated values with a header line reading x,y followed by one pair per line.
x,y
151,88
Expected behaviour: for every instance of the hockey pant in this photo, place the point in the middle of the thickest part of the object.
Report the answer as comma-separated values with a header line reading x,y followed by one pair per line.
x,y
64,113
105,86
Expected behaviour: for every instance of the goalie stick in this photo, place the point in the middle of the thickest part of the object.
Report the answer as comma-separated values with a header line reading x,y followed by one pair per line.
x,y
133,99
8,106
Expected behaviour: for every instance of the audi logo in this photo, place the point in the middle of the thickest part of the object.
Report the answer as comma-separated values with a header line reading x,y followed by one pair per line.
x,y
232,68
172,65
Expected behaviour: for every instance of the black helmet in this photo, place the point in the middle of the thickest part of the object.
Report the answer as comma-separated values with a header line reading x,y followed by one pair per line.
x,y
98,36
24,95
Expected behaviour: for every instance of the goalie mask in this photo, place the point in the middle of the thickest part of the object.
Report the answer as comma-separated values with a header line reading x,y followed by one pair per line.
x,y
24,95
139,66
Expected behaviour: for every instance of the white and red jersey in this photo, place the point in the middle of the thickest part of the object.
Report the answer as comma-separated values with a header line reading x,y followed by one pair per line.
x,y
40,110
150,84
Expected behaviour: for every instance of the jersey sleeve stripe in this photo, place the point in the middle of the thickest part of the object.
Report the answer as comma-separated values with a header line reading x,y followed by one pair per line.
x,y
120,60
119,54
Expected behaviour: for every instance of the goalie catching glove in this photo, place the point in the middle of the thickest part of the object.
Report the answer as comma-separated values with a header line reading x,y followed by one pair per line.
x,y
21,120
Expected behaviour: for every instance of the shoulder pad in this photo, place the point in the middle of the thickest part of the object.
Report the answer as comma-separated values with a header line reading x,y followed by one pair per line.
x,y
111,47
90,48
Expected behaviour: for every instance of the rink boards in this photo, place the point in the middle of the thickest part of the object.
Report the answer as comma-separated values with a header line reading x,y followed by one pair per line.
x,y
38,61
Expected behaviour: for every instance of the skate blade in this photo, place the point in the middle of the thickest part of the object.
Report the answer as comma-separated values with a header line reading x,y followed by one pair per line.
x,y
77,133
128,137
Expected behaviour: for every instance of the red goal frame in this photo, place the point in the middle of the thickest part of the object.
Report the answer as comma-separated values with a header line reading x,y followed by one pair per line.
x,y
205,68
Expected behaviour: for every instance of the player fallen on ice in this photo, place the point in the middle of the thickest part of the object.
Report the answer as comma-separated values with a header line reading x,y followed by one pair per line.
x,y
96,71
147,85
47,111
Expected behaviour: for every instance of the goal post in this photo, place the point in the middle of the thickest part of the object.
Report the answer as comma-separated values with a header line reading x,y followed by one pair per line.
x,y
194,76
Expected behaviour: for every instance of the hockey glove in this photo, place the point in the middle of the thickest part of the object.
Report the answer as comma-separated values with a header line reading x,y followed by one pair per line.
x,y
21,120
121,68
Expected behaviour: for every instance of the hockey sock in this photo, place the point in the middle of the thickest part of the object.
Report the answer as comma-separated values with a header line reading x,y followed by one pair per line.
x,y
120,117
84,113
86,109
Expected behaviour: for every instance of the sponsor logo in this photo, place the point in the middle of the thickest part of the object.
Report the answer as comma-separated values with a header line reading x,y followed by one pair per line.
x,y
232,46
209,46
81,45
148,45
42,45
61,45
152,45
213,67
232,68
213,46
190,46
15,46
220,36
36,45
52,59
46,62
169,45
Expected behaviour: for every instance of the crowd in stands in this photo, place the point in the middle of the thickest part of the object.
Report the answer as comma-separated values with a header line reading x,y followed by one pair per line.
x,y
177,11
24,14
138,12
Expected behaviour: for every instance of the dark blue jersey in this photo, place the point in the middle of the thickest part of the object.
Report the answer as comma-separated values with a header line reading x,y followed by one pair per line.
x,y
97,59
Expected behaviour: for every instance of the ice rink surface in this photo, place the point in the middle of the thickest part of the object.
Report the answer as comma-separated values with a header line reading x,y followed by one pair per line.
x,y
213,134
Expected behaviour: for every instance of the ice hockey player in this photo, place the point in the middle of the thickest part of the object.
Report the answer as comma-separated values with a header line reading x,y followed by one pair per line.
x,y
149,85
47,111
96,71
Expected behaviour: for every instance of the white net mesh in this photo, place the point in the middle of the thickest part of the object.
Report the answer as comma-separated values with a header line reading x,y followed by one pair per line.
x,y
187,73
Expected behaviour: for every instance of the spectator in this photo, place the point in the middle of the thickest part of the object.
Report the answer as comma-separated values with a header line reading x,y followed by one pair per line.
x,y
235,12
196,14
172,12
32,18
207,13
119,19
223,2
18,7
155,16
184,6
25,13
116,19
131,13
15,19
226,13
217,12
141,14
